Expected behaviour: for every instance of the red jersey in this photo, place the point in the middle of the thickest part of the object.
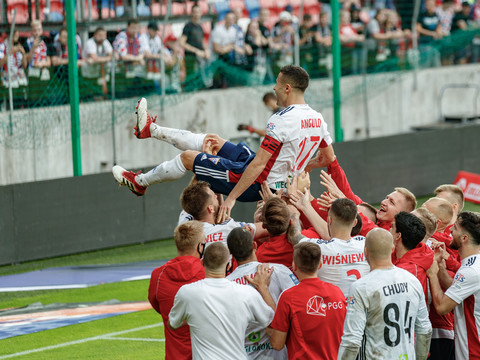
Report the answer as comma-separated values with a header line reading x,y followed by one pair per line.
x,y
310,311
164,284
276,250
417,261
453,261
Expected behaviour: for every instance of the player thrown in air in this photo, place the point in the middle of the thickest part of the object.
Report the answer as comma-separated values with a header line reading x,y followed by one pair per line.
x,y
293,135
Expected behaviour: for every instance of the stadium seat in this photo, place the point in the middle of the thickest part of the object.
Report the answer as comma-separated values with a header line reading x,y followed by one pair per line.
x,y
22,13
221,8
253,7
178,9
156,9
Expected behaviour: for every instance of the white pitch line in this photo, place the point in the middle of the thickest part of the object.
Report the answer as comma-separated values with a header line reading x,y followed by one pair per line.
x,y
81,341
133,339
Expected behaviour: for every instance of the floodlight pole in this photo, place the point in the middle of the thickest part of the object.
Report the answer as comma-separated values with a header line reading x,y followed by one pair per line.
x,y
73,87
337,70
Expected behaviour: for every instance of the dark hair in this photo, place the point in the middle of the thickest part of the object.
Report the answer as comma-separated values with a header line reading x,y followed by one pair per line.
x,y
132,22
215,256
276,216
194,199
343,210
269,96
152,26
411,228
307,17
240,243
358,226
470,222
295,76
98,29
307,257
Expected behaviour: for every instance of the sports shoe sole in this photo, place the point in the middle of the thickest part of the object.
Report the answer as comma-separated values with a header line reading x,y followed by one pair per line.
x,y
117,172
141,115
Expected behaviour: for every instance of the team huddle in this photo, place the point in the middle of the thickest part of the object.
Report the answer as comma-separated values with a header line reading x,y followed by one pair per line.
x,y
310,278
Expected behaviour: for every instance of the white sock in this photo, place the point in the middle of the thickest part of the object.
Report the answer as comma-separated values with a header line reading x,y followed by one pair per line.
x,y
181,139
166,171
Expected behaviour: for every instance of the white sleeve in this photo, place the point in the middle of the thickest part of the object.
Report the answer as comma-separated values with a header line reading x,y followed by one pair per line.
x,y
276,128
178,312
422,321
356,318
465,283
327,138
262,313
107,47
282,279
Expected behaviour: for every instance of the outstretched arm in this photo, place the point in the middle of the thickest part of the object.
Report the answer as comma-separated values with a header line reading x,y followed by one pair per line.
x,y
253,170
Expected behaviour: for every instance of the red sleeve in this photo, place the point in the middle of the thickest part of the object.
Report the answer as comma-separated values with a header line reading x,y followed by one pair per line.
x,y
281,320
452,263
270,144
338,175
152,290
367,225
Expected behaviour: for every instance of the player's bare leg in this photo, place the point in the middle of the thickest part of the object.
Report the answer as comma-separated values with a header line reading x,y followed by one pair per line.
x,y
167,171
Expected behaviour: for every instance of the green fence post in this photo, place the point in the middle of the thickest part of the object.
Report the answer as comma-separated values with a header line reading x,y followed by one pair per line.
x,y
73,87
337,70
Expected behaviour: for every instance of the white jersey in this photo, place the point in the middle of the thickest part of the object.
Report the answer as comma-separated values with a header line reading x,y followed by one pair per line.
x,y
218,312
293,136
465,291
343,262
257,342
387,307
216,232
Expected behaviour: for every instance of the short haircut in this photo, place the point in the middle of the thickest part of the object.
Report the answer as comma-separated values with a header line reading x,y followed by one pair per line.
x,y
343,211
295,76
276,216
455,193
441,208
132,22
194,199
269,96
358,226
216,256
35,23
411,228
188,235
409,197
370,211
98,29
428,219
470,222
152,26
240,243
307,257
195,5
62,29
379,243
307,17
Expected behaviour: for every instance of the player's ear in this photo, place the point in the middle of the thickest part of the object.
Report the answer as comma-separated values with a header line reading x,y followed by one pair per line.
x,y
294,266
320,265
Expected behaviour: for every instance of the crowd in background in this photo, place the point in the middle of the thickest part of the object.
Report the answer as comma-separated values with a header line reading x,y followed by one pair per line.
x,y
258,47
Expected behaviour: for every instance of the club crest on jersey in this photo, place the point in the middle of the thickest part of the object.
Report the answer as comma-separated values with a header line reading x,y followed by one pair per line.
x,y
270,126
458,280
214,160
203,157
316,306
350,300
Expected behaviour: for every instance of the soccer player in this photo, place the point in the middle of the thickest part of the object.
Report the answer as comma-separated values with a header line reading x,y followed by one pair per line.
x,y
410,252
218,311
242,247
454,195
167,279
202,204
386,309
293,136
463,292
343,258
309,316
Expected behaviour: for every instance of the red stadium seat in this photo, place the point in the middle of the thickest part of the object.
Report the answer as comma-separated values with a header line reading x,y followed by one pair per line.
x,y
178,9
22,13
156,9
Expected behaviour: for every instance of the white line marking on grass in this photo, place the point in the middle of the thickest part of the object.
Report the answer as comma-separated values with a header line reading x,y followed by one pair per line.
x,y
81,341
133,339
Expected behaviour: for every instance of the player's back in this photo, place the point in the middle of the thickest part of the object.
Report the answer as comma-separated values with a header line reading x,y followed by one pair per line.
x,y
390,306
343,262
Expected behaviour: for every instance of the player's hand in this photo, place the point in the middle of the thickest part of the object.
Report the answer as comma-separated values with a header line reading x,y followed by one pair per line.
x,y
301,200
224,210
262,277
292,186
433,271
210,144
266,192
331,186
440,251
325,201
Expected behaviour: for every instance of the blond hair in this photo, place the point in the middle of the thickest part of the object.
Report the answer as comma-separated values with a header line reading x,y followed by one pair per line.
x,y
441,208
455,194
188,235
409,197
428,219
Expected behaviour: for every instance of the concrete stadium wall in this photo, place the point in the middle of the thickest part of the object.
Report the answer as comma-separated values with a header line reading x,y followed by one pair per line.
x,y
64,216
40,146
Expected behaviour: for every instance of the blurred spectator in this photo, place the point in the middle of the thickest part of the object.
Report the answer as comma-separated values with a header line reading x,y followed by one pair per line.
x,y
445,14
355,19
461,21
154,52
257,60
197,53
309,40
176,69
283,36
18,62
349,39
59,55
130,49
324,30
36,48
428,23
97,54
263,22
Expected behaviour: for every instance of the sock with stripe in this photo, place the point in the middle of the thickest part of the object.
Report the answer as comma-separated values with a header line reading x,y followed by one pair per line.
x,y
167,171
181,139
